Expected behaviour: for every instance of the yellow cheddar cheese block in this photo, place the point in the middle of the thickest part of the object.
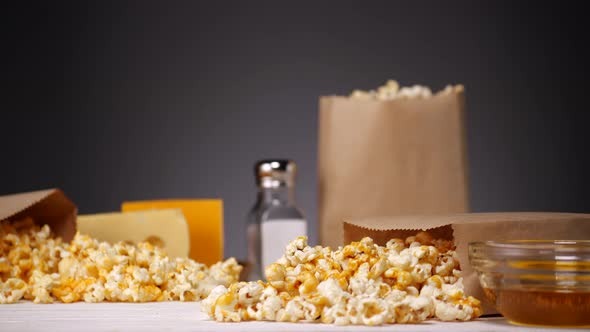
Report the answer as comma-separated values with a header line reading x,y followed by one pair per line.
x,y
164,228
205,223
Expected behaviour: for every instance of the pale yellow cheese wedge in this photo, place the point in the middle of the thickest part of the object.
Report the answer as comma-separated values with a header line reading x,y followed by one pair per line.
x,y
205,222
165,228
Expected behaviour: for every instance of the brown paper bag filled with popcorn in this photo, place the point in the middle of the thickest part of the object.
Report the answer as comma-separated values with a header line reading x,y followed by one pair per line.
x,y
471,227
50,207
390,152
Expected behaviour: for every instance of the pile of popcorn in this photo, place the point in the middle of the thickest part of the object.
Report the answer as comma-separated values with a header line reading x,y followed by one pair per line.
x,y
361,283
34,265
391,90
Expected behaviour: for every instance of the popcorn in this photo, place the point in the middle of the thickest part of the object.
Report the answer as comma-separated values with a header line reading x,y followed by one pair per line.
x,y
38,267
391,91
12,290
405,281
271,304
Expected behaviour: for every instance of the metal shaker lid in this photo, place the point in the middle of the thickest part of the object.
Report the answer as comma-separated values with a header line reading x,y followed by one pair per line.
x,y
273,173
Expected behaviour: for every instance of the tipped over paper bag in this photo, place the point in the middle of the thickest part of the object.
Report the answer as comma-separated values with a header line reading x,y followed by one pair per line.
x,y
393,157
50,207
471,227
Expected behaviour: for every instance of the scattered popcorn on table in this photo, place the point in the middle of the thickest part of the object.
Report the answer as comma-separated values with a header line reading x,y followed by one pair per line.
x,y
360,284
391,90
36,266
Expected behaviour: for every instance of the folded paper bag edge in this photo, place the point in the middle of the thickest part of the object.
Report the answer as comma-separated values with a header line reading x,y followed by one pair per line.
x,y
353,232
48,206
12,204
402,222
429,221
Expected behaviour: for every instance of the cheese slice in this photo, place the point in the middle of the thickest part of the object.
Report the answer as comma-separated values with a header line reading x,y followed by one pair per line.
x,y
205,223
165,228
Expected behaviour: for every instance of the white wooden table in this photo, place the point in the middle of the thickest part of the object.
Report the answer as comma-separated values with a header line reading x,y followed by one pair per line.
x,y
186,316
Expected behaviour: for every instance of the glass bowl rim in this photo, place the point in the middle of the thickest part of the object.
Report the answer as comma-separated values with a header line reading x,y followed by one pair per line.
x,y
557,250
532,244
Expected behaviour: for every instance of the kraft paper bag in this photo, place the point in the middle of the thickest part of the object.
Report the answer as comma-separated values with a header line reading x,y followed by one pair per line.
x,y
383,158
472,227
51,207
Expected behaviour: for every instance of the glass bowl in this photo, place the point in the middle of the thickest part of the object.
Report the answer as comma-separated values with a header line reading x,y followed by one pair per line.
x,y
544,283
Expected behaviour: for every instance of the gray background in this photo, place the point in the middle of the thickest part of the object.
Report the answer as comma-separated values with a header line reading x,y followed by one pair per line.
x,y
140,100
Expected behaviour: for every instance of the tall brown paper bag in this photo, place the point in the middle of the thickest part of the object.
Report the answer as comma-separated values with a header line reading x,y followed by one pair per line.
x,y
383,158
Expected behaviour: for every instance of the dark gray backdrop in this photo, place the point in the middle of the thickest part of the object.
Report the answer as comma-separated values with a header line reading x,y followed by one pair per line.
x,y
139,100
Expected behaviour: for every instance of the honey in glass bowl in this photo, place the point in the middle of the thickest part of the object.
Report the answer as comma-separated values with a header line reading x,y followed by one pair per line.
x,y
544,283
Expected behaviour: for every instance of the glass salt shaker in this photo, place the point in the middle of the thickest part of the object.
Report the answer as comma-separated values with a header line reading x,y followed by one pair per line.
x,y
274,220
